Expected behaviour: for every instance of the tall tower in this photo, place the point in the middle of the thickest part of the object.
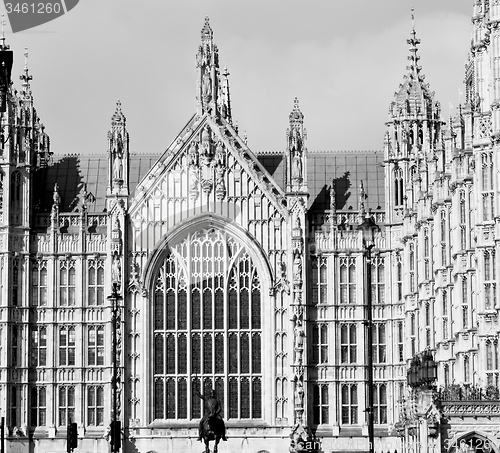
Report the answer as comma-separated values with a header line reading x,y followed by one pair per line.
x,y
412,141
24,156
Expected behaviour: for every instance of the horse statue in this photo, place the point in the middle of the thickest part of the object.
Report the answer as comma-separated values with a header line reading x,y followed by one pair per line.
x,y
212,427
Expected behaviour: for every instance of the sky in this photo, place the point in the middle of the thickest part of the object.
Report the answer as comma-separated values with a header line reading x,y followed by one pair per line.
x,y
343,60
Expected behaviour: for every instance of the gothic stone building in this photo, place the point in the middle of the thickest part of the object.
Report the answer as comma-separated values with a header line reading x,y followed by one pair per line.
x,y
244,273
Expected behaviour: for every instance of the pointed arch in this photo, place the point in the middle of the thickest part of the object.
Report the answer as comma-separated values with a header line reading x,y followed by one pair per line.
x,y
207,309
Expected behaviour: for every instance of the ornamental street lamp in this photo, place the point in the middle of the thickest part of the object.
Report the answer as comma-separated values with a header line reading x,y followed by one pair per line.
x,y
115,434
368,229
423,370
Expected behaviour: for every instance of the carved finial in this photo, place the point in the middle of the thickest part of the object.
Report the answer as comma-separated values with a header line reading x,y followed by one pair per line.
x,y
118,117
362,198
26,77
2,38
332,197
225,98
413,42
206,31
56,196
296,115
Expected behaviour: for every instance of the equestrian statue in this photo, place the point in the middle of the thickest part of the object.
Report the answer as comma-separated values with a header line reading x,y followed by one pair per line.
x,y
212,425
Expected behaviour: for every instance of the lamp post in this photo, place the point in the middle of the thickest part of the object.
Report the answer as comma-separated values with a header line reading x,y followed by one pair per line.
x,y
368,229
115,434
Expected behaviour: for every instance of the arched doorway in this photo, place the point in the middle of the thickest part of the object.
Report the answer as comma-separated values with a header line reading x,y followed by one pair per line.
x,y
207,327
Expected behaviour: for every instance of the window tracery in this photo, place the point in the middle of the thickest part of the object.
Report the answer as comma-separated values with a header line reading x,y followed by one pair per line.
x,y
207,324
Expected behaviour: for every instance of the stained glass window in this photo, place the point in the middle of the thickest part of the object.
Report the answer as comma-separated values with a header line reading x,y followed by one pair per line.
x,y
207,300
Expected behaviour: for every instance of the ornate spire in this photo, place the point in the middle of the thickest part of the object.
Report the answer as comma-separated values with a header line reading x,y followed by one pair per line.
x,y
414,97
296,116
212,87
2,38
118,154
118,117
225,98
206,32
296,136
26,77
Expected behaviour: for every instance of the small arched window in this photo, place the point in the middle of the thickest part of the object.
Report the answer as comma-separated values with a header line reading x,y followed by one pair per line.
x,y
398,187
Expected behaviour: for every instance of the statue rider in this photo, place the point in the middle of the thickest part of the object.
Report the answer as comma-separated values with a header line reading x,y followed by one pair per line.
x,y
212,409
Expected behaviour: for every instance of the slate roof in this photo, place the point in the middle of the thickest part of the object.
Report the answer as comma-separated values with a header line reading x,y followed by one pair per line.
x,y
347,168
72,171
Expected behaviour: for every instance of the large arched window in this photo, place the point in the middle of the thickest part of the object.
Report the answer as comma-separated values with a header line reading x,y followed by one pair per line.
x,y
207,328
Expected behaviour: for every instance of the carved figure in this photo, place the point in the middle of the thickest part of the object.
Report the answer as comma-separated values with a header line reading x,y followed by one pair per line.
x,y
116,269
297,165
219,178
118,162
299,392
55,196
299,335
297,268
206,84
193,155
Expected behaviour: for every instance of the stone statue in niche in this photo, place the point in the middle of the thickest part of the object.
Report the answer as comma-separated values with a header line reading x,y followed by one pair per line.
x,y
297,165
116,269
118,159
205,151
220,187
297,229
193,155
206,85
299,392
219,155
472,163
297,268
299,334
